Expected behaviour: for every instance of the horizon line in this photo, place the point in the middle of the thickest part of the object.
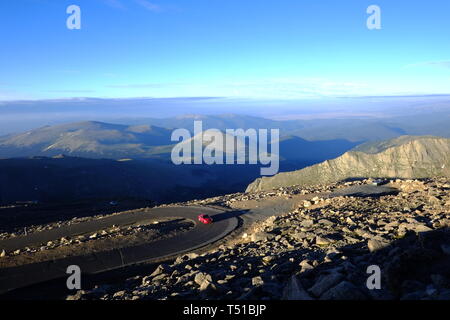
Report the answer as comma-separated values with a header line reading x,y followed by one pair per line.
x,y
227,98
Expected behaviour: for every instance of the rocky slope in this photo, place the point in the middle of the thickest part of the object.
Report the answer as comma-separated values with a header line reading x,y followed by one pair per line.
x,y
321,250
403,157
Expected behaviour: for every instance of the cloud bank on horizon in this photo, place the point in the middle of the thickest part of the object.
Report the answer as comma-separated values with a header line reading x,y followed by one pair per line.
x,y
225,48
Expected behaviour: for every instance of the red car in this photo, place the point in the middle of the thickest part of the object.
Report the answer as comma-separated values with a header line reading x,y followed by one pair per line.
x,y
204,218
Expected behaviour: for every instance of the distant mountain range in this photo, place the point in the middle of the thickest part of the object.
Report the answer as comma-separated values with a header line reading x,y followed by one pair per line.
x,y
133,160
356,130
403,157
101,160
100,140
86,139
354,119
304,141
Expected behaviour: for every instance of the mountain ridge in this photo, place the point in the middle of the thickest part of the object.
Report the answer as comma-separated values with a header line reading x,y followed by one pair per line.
x,y
100,140
415,157
92,139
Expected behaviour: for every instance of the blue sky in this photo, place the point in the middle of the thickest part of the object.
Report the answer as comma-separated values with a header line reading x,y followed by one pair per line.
x,y
264,49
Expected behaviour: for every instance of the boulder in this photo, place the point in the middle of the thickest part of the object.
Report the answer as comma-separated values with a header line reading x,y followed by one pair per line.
x,y
295,291
262,236
326,282
257,281
160,269
375,245
345,290
201,277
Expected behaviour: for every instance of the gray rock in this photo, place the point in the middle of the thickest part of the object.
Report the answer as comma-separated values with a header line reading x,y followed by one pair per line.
x,y
320,241
375,245
325,282
77,296
207,286
416,227
201,277
181,259
305,265
268,260
160,269
257,281
299,236
344,291
119,294
295,291
262,236
326,222
422,228
192,255
307,204
307,223
160,277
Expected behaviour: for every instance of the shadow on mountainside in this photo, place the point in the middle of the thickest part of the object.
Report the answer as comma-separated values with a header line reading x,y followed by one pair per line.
x,y
365,191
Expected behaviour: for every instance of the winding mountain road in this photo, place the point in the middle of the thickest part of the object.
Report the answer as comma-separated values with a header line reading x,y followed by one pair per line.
x,y
201,235
225,221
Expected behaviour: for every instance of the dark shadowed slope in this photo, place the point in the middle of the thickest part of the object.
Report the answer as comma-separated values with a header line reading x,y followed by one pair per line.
x,y
72,179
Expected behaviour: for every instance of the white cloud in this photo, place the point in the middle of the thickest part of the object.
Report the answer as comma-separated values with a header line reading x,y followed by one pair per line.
x,y
141,85
71,91
149,5
267,88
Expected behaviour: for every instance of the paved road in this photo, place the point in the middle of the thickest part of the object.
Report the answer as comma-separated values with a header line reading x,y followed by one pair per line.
x,y
199,236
